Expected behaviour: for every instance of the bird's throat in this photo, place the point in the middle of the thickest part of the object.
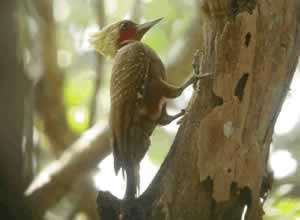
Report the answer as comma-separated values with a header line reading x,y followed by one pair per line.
x,y
129,34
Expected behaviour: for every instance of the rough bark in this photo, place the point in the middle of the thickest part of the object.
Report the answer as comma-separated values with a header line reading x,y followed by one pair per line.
x,y
218,162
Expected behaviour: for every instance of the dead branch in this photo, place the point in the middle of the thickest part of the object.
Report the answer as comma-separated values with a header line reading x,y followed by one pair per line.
x,y
59,177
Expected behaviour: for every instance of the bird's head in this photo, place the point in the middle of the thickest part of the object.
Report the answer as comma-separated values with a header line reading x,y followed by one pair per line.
x,y
112,37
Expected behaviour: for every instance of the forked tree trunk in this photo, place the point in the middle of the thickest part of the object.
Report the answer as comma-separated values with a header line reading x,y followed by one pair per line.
x,y
218,162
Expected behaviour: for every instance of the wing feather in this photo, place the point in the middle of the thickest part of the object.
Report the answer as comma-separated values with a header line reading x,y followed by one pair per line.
x,y
129,69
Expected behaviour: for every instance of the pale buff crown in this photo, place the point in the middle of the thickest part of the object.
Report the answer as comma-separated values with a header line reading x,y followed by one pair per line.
x,y
105,41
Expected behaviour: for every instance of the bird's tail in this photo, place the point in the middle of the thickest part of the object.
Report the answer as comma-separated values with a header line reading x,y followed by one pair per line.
x,y
132,181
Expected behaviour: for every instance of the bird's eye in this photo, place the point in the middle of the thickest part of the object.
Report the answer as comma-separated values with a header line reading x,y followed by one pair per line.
x,y
124,26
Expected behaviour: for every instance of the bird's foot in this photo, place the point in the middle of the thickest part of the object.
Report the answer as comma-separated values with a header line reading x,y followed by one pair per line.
x,y
196,67
183,111
196,62
167,119
196,78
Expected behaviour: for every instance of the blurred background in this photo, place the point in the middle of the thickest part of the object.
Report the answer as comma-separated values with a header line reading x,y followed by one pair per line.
x,y
67,158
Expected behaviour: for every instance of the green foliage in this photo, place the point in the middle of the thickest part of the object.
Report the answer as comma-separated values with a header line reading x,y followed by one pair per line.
x,y
163,8
282,208
78,118
77,93
78,90
158,40
287,206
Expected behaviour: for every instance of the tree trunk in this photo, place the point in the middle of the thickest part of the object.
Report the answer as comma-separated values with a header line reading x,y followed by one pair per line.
x,y
218,162
12,94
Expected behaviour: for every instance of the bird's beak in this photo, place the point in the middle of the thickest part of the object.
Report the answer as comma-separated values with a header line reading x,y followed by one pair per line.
x,y
143,28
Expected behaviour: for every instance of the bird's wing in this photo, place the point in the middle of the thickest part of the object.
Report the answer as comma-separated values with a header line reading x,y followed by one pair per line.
x,y
129,69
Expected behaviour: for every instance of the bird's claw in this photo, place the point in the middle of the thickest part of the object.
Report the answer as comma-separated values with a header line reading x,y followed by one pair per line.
x,y
179,122
196,62
196,78
196,67
182,112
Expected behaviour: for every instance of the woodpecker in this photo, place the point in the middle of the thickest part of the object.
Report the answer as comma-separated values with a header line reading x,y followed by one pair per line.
x,y
138,92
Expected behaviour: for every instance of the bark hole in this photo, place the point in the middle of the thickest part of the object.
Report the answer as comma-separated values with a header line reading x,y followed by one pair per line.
x,y
248,39
219,100
239,6
240,87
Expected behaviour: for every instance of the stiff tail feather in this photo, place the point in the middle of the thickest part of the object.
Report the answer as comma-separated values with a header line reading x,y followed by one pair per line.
x,y
132,182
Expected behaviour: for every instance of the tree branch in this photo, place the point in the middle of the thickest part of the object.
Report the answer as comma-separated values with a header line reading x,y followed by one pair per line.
x,y
50,104
100,16
59,177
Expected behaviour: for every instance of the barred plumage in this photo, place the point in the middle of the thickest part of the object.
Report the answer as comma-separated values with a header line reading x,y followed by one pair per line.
x,y
138,95
131,127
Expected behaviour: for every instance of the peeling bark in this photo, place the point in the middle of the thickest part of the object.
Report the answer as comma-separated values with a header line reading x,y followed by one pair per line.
x,y
217,164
